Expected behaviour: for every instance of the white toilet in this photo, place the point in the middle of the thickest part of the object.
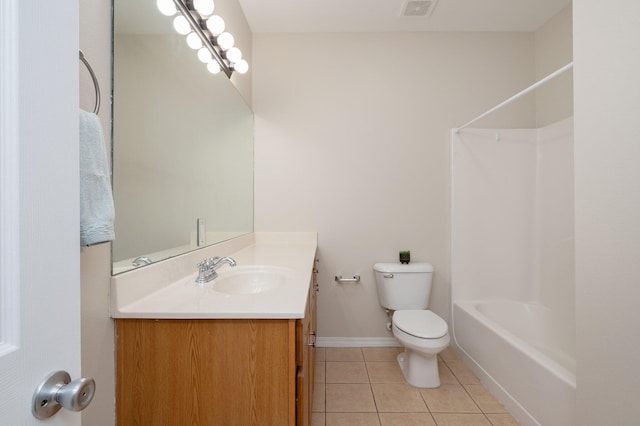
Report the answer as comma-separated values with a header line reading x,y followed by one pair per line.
x,y
404,289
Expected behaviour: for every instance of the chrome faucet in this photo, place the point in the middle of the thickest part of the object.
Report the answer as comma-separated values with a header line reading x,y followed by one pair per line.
x,y
139,261
207,268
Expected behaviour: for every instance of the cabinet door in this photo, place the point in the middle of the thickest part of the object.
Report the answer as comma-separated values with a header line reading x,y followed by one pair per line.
x,y
205,372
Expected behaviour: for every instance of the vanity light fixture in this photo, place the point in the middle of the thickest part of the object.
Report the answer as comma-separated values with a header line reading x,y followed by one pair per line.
x,y
215,25
166,7
204,55
193,41
205,33
181,25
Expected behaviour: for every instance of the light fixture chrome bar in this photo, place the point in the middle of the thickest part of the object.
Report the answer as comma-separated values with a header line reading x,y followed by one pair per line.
x,y
195,25
518,95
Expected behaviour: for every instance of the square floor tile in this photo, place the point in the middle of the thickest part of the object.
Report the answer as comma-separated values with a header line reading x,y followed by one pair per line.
x,y
381,353
318,403
462,373
317,419
319,372
320,354
446,376
385,372
352,419
406,419
449,355
350,398
344,354
485,400
446,419
398,397
346,372
504,419
449,399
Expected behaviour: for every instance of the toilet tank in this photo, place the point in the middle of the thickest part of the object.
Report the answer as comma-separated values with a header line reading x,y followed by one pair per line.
x,y
403,286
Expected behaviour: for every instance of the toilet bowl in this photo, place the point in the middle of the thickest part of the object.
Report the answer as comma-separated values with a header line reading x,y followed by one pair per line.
x,y
404,290
423,335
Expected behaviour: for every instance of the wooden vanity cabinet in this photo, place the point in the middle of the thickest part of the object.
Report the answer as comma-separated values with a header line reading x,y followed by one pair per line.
x,y
216,372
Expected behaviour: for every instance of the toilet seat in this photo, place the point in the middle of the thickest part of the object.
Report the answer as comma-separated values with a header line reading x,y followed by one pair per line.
x,y
420,323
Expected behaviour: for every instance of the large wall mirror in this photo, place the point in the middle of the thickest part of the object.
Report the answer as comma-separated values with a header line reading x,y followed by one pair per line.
x,y
182,144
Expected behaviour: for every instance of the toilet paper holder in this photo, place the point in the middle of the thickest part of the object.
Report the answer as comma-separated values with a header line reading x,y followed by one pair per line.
x,y
355,279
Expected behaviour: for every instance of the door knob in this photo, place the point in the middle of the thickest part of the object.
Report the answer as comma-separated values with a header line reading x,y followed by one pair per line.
x,y
57,390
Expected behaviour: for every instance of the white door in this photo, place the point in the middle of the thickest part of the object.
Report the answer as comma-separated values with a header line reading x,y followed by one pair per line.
x,y
39,205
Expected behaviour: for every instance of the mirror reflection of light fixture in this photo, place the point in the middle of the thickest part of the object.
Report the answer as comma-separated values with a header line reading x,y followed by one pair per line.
x,y
205,33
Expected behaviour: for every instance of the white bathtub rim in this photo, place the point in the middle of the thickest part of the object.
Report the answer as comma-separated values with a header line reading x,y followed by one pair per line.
x,y
560,371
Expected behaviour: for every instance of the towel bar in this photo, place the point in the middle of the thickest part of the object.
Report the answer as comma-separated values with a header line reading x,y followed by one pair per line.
x,y
96,109
355,279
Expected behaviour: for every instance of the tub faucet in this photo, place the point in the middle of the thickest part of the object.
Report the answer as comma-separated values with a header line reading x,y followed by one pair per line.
x,y
207,268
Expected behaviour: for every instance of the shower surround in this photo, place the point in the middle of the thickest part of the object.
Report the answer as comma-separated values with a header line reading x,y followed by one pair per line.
x,y
513,296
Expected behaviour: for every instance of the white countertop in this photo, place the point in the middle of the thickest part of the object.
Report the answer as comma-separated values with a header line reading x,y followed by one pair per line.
x,y
168,289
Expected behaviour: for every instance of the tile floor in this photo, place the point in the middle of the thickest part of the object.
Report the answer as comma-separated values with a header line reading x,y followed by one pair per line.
x,y
365,387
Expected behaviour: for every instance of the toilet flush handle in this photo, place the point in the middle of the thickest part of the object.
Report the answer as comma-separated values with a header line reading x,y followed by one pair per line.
x,y
388,275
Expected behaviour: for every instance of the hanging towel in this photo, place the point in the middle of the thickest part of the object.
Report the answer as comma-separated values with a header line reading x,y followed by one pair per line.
x,y
96,199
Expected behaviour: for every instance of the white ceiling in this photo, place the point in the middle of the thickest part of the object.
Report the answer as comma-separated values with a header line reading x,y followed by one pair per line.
x,y
386,15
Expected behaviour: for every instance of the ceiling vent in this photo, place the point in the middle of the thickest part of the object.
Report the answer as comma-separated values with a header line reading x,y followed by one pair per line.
x,y
418,8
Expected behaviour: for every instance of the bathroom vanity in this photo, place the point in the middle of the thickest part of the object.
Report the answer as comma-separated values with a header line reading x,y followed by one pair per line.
x,y
236,351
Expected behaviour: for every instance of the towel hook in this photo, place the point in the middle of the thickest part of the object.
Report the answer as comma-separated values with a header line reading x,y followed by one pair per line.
x,y
95,82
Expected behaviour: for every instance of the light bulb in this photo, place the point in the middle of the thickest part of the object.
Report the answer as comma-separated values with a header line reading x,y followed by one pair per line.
x,y
241,66
193,41
234,54
213,67
181,25
204,55
204,7
215,24
166,7
225,41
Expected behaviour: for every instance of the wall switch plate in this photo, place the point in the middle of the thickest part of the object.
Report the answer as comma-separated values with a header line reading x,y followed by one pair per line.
x,y
201,231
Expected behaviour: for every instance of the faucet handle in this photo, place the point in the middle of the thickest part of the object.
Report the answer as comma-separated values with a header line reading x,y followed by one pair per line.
x,y
203,265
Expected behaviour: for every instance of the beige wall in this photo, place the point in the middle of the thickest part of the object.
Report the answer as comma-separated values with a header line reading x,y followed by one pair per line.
x,y
97,328
352,141
553,50
607,159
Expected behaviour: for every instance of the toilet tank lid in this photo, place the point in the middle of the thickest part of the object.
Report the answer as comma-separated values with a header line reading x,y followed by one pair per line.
x,y
399,267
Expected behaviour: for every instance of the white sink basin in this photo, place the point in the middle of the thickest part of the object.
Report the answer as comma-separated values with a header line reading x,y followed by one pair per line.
x,y
251,279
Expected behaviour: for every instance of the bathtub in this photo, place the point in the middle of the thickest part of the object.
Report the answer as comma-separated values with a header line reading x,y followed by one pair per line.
x,y
516,351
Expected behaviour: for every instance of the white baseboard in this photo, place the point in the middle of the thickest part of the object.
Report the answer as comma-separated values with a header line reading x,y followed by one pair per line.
x,y
355,342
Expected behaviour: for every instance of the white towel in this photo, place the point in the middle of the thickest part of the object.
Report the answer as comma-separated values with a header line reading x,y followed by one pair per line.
x,y
96,199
